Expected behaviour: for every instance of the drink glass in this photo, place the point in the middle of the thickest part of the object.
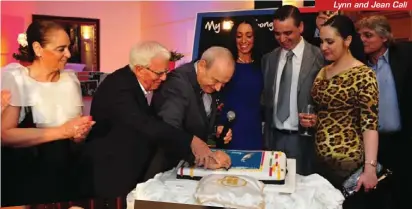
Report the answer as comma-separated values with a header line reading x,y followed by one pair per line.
x,y
307,112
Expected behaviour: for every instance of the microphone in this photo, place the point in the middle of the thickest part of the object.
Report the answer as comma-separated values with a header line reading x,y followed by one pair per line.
x,y
230,118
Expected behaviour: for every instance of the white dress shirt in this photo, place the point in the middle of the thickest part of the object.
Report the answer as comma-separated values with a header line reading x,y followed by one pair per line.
x,y
291,123
147,94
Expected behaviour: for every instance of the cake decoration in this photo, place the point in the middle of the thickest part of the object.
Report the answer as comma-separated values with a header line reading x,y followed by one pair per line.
x,y
267,166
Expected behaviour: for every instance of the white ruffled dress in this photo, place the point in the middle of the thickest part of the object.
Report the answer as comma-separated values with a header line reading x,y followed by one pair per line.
x,y
46,172
52,103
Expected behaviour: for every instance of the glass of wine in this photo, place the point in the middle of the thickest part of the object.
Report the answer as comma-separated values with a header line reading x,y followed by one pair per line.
x,y
307,112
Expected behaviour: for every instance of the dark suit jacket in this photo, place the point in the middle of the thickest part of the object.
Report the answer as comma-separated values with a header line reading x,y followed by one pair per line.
x,y
401,66
312,62
121,144
178,102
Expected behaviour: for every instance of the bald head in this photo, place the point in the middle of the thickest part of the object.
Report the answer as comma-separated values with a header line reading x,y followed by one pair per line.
x,y
216,53
215,68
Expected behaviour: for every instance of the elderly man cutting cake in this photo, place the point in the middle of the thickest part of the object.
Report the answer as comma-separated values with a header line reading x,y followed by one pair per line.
x,y
187,100
121,145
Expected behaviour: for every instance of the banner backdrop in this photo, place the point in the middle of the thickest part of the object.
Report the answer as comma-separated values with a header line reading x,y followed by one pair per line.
x,y
210,28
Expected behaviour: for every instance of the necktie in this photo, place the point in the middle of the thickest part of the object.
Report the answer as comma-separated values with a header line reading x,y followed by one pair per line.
x,y
149,96
207,102
283,105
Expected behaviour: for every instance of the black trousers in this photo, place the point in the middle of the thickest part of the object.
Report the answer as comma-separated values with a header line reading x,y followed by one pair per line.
x,y
394,154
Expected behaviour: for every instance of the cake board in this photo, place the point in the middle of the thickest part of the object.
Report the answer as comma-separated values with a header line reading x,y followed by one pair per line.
x,y
289,186
266,166
290,180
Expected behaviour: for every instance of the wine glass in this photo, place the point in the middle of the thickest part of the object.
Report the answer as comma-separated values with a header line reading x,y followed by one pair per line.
x,y
307,111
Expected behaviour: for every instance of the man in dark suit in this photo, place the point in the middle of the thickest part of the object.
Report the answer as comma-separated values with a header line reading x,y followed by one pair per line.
x,y
289,72
121,144
393,66
186,100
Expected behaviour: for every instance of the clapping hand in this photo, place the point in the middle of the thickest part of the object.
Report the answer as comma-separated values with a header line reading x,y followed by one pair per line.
x,y
220,159
77,128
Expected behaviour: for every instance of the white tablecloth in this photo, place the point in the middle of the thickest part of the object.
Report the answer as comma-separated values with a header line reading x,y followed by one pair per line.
x,y
311,192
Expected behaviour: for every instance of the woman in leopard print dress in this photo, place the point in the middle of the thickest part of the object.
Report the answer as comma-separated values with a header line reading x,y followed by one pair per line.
x,y
346,97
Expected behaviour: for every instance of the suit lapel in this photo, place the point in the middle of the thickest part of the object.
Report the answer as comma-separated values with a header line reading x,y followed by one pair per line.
x,y
197,91
139,94
306,66
397,68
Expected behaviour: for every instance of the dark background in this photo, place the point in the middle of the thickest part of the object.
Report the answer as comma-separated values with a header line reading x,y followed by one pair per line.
x,y
210,38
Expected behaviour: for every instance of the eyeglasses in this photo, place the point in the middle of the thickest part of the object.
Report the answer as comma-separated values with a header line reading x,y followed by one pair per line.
x,y
159,74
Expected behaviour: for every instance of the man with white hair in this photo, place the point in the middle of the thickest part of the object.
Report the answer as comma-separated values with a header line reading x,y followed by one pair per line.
x,y
186,100
121,144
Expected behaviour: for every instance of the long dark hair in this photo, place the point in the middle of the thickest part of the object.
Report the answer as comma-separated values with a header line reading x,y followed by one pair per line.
x,y
345,27
257,51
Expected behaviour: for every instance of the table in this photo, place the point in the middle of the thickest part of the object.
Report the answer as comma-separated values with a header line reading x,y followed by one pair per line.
x,y
311,192
92,204
140,204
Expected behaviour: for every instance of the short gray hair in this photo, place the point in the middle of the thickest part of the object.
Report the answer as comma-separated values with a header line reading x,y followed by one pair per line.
x,y
144,52
379,24
214,52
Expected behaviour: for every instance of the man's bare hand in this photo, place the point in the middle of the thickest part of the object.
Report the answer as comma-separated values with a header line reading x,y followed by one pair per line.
x,y
228,136
201,152
219,159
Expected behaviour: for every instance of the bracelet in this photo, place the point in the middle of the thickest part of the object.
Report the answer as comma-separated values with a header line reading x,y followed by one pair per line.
x,y
373,163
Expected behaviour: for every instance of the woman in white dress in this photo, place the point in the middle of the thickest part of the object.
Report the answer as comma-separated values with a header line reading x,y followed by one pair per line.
x,y
43,123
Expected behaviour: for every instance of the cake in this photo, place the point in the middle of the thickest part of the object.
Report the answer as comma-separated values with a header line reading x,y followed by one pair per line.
x,y
266,166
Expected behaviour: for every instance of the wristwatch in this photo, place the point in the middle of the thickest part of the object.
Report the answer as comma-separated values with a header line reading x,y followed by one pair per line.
x,y
373,163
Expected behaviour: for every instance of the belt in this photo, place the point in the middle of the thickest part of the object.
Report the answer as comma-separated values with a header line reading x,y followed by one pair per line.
x,y
284,131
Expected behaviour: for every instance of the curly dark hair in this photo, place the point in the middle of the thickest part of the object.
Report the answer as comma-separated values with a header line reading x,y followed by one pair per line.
x,y
257,51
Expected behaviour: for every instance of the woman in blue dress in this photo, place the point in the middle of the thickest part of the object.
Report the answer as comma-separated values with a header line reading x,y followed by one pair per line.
x,y
242,94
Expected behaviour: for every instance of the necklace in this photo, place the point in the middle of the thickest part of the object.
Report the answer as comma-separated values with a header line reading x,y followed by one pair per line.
x,y
242,61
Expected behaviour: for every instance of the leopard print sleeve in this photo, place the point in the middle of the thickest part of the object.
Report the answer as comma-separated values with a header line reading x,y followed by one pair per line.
x,y
368,100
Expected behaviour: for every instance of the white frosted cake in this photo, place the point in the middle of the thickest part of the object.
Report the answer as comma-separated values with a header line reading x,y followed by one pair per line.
x,y
266,166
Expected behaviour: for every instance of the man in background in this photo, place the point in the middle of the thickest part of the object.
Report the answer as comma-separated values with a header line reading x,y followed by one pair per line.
x,y
321,18
289,72
393,66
